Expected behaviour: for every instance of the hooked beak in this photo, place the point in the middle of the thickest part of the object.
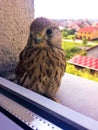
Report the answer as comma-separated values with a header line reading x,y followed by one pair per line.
x,y
37,38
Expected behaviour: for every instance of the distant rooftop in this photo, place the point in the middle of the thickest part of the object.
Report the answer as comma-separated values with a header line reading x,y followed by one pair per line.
x,y
84,61
88,29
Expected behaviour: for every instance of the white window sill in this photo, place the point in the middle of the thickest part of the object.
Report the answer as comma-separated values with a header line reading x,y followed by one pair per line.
x,y
79,94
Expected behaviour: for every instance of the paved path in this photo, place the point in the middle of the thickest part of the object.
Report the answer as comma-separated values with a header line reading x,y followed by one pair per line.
x,y
80,41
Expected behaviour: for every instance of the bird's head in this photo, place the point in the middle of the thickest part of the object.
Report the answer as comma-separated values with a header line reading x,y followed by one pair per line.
x,y
44,33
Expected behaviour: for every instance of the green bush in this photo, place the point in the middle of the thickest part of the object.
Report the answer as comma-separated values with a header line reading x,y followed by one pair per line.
x,y
81,72
83,53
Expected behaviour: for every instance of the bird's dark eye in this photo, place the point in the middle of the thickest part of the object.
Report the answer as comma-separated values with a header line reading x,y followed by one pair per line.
x,y
49,32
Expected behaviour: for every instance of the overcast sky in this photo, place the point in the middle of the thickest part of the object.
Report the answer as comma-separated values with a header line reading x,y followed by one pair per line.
x,y
67,9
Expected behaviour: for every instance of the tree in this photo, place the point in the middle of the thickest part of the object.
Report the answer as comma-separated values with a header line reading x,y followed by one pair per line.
x,y
84,41
71,31
65,34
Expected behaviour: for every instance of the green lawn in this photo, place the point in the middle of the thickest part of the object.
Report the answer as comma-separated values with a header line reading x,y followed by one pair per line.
x,y
70,36
70,49
68,45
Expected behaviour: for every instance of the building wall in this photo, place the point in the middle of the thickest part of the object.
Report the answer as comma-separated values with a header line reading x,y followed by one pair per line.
x,y
90,36
93,53
15,19
83,34
95,34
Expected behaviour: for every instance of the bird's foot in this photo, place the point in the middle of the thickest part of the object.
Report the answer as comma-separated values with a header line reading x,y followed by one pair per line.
x,y
55,99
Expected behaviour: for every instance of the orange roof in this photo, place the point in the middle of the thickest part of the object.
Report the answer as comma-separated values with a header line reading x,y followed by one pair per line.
x,y
88,29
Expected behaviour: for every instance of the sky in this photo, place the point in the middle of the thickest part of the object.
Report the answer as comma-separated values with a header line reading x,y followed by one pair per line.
x,y
67,9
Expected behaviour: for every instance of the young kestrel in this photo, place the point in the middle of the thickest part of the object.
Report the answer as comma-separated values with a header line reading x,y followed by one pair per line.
x,y
42,61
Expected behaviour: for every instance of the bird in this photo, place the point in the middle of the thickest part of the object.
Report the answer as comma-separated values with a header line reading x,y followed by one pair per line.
x,y
42,62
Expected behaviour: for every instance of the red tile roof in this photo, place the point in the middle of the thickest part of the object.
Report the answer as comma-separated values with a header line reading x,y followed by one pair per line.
x,y
88,29
84,61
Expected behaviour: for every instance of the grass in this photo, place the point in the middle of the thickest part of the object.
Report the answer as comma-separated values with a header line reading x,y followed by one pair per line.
x,y
70,36
95,41
70,49
73,35
68,45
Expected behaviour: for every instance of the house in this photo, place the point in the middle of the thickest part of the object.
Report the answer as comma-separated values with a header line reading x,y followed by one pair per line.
x,y
74,26
89,33
93,52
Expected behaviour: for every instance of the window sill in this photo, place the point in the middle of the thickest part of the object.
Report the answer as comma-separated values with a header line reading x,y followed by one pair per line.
x,y
79,94
79,97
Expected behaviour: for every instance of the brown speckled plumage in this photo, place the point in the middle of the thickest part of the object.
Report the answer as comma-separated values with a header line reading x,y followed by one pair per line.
x,y
42,61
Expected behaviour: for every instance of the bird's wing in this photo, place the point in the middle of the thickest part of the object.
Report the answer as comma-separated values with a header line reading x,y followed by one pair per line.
x,y
20,68
24,58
